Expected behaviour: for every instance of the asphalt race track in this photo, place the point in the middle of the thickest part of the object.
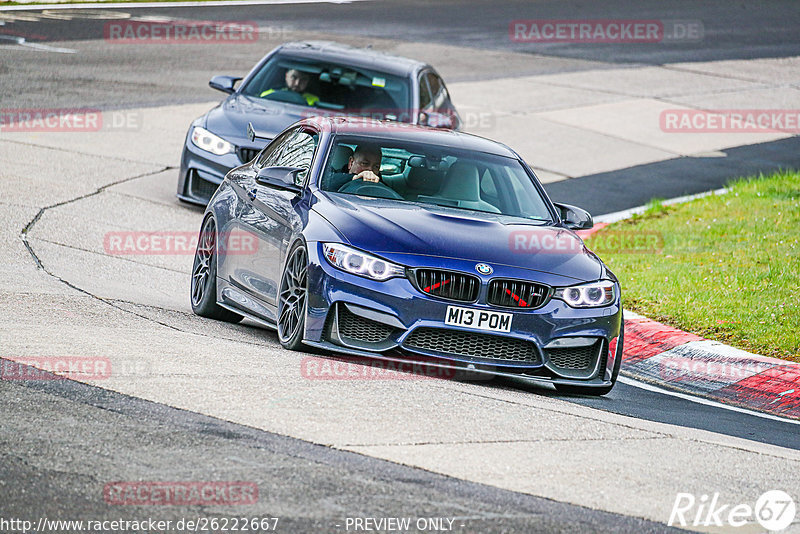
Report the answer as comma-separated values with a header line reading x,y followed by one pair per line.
x,y
196,400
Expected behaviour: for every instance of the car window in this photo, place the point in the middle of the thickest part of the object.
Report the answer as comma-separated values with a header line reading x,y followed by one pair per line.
x,y
299,152
424,92
272,151
339,88
294,148
441,98
446,177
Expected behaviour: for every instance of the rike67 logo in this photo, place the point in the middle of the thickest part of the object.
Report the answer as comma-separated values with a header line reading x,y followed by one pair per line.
x,y
774,510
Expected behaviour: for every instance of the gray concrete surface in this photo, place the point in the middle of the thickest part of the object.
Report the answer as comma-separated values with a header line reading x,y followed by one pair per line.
x,y
68,190
63,442
137,307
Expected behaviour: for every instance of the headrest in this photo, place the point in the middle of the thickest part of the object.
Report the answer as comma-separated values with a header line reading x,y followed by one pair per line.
x,y
461,182
341,157
423,181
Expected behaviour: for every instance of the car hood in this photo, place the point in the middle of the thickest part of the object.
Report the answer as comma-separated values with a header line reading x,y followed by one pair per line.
x,y
393,228
230,118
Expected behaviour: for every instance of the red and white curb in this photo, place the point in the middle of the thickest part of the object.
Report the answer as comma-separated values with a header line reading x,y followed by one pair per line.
x,y
663,355
679,361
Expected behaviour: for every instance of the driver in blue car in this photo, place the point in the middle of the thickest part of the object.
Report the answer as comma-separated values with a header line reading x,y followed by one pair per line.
x,y
296,81
364,164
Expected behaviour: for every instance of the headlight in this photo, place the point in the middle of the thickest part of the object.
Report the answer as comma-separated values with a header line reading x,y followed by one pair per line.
x,y
592,295
205,140
360,263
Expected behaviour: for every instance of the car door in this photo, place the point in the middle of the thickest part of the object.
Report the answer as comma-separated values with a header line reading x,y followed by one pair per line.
x,y
236,266
273,217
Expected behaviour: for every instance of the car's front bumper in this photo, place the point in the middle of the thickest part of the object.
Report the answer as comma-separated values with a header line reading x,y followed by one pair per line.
x,y
370,308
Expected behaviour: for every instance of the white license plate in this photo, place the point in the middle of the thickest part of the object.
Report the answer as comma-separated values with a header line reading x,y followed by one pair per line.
x,y
480,319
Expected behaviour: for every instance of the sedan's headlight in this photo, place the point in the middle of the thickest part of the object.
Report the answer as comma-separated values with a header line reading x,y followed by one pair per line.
x,y
205,140
360,263
591,295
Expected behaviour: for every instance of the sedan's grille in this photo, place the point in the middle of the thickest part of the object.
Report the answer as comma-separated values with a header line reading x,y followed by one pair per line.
x,y
202,188
517,294
458,343
448,284
246,155
574,358
356,327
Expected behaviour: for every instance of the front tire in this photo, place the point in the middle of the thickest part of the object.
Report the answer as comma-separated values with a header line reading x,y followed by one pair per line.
x,y
204,277
293,299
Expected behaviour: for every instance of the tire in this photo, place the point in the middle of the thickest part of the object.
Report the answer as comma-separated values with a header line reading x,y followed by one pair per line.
x,y
597,392
293,298
203,293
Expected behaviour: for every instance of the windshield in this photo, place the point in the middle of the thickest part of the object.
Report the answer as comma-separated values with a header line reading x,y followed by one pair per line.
x,y
341,89
435,175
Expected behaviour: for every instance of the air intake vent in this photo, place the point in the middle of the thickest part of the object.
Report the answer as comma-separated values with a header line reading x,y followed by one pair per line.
x,y
202,189
575,362
458,343
356,327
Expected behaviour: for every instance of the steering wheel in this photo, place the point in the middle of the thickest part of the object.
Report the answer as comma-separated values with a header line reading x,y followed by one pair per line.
x,y
284,95
370,189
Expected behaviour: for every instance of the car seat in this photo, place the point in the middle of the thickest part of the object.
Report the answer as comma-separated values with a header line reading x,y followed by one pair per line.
x,y
461,183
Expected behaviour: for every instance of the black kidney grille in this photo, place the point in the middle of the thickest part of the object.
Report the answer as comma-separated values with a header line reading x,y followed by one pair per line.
x,y
356,327
517,294
246,155
458,343
448,284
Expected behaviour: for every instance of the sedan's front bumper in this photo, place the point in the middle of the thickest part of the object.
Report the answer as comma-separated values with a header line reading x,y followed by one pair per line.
x,y
393,320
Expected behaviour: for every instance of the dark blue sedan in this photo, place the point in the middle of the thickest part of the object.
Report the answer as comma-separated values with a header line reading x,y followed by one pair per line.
x,y
298,80
396,242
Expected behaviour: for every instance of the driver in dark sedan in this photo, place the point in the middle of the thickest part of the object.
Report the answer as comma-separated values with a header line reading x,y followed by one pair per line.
x,y
364,164
296,81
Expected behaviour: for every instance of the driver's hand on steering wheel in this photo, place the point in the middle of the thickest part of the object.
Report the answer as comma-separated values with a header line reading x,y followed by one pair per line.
x,y
367,176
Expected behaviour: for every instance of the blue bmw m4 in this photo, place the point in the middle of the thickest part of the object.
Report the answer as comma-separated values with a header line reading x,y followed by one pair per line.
x,y
298,80
400,242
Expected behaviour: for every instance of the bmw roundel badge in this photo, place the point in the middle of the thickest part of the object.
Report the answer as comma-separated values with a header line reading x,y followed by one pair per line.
x,y
484,268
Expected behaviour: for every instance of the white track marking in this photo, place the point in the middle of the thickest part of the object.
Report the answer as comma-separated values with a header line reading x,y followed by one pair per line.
x,y
133,5
700,400
627,214
35,46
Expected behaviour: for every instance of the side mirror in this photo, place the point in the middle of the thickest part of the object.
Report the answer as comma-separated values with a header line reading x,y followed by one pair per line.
x,y
223,83
434,119
284,178
574,218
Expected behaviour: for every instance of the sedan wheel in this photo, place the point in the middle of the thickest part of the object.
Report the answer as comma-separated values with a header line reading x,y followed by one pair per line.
x,y
292,300
204,277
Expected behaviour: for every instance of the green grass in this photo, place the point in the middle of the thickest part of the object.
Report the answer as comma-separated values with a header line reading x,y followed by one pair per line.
x,y
726,267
